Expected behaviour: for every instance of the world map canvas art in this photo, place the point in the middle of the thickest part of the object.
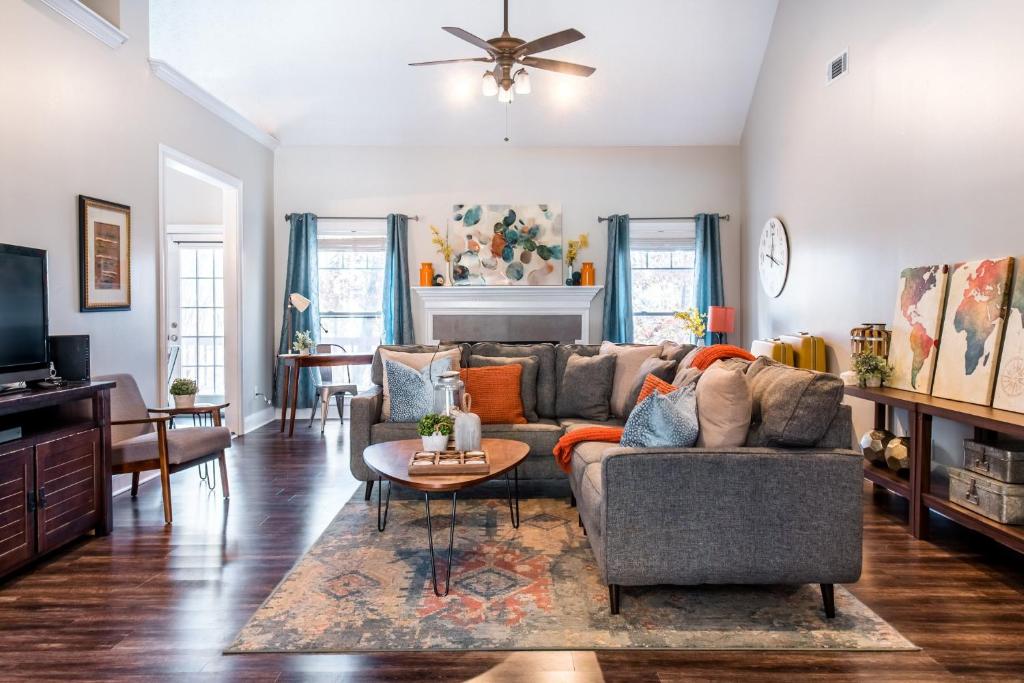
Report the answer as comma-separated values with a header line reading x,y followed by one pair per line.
x,y
915,328
972,330
501,244
1010,383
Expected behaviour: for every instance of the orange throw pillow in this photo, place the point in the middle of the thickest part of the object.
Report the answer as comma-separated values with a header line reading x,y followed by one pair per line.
x,y
709,354
495,393
652,384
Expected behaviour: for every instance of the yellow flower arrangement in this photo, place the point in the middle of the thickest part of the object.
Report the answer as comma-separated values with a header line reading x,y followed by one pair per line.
x,y
694,322
573,252
444,248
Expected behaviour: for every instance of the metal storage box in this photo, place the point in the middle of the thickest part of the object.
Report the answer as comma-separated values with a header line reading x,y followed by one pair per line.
x,y
1003,461
988,497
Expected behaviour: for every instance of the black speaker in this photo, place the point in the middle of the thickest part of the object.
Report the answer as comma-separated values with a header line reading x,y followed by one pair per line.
x,y
69,354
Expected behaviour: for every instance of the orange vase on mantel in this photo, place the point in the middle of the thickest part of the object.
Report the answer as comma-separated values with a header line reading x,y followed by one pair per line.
x,y
426,274
587,274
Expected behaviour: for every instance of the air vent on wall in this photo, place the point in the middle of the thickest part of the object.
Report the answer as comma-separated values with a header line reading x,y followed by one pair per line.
x,y
837,66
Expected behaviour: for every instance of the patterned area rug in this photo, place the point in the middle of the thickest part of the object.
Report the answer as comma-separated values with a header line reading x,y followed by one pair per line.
x,y
533,588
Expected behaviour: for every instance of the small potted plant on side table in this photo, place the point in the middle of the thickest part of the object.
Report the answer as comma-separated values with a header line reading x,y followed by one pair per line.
x,y
434,430
872,371
184,391
303,344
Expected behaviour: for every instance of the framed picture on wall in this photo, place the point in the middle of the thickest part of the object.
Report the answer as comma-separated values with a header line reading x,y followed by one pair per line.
x,y
105,265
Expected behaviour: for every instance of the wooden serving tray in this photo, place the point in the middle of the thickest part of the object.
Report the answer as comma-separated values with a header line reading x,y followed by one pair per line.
x,y
431,463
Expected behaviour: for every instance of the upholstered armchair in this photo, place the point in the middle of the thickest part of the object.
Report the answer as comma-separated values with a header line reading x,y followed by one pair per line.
x,y
141,440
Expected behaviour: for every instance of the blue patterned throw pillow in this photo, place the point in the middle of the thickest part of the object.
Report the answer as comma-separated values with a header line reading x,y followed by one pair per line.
x,y
412,391
663,420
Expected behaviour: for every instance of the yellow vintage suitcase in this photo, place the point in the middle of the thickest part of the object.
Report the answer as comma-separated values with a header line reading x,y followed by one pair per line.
x,y
808,351
774,349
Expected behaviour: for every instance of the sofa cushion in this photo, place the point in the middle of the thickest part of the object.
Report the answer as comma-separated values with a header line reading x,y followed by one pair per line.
x,y
668,420
377,366
677,352
417,361
583,455
541,436
545,353
527,380
411,390
183,445
664,370
629,358
495,393
723,407
686,375
791,406
571,423
586,387
590,498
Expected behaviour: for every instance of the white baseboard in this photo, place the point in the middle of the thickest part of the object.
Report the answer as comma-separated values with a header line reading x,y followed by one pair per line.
x,y
118,478
258,419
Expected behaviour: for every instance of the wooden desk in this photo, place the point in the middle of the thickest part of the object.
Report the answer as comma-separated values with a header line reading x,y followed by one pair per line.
x,y
312,360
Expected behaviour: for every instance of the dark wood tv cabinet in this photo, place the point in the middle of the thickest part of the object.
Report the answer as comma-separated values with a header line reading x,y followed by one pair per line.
x,y
55,479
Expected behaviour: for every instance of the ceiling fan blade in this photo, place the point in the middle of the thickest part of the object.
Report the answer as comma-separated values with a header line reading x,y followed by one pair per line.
x,y
569,35
470,38
452,61
560,67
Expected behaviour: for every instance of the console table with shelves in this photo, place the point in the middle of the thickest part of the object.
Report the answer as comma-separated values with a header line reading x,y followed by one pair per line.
x,y
922,493
55,478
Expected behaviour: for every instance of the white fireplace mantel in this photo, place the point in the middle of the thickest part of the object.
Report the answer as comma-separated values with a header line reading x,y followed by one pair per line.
x,y
557,300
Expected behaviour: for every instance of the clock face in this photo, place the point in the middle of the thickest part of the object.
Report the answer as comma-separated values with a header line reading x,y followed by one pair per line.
x,y
773,257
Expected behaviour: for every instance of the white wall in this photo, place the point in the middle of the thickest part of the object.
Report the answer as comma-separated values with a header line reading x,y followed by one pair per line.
x,y
77,117
587,182
916,156
191,201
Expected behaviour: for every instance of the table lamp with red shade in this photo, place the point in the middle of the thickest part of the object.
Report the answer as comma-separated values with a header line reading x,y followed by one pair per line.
x,y
721,321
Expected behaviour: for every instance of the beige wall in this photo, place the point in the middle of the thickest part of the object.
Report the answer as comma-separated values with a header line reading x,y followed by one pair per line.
x,y
191,201
587,182
915,156
77,117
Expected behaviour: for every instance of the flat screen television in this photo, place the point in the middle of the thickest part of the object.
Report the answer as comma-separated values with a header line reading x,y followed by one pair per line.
x,y
24,322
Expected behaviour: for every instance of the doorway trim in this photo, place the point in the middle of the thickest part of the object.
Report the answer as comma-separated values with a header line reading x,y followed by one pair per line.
x,y
233,231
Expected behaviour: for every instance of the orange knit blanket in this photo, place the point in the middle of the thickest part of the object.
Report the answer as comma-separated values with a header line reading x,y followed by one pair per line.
x,y
709,354
563,449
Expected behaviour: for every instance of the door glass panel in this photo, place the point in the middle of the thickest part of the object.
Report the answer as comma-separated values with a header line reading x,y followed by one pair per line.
x,y
201,316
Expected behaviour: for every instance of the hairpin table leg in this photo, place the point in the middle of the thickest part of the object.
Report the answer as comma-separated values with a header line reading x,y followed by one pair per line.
x,y
382,521
508,489
451,545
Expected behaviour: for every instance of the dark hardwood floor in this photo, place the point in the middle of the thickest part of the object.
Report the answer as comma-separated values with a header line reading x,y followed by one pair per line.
x,y
151,602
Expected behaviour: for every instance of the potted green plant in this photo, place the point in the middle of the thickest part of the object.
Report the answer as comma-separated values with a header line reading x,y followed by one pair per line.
x,y
872,371
434,430
303,343
184,391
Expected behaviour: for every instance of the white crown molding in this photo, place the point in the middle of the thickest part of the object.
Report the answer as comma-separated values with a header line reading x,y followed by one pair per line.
x,y
90,22
191,89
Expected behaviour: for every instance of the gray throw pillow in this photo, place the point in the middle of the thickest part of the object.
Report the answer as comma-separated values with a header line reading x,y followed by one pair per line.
x,y
791,406
674,351
662,369
377,367
527,380
546,378
586,387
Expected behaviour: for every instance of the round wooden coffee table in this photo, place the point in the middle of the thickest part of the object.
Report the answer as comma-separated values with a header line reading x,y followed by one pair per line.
x,y
390,460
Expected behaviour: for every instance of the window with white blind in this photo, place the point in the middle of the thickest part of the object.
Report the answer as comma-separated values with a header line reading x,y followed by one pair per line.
x,y
662,265
351,259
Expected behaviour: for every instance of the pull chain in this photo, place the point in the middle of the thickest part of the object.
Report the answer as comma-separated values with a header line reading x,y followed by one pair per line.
x,y
508,121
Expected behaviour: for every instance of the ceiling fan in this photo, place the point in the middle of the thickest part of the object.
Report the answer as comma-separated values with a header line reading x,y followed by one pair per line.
x,y
506,51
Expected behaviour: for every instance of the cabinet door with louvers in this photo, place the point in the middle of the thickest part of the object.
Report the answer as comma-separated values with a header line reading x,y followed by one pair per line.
x,y
16,513
66,488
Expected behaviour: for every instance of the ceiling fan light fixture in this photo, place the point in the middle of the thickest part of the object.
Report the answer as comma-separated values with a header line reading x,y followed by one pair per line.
x,y
506,96
489,84
522,82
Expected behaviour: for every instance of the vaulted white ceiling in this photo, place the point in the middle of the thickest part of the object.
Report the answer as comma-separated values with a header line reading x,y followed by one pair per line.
x,y
669,72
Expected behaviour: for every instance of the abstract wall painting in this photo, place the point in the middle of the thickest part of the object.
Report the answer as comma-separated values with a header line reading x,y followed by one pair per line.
x,y
502,244
916,326
972,331
1010,380
104,254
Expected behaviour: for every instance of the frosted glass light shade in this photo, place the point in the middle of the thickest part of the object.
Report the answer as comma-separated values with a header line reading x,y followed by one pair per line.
x,y
489,85
506,96
522,81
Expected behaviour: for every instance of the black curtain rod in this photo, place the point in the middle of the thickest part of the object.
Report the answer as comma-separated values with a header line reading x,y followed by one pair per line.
x,y
603,219
288,217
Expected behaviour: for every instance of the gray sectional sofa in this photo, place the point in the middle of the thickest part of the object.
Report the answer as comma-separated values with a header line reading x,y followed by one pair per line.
x,y
783,509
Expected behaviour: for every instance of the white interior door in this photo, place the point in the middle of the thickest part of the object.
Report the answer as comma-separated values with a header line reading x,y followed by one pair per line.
x,y
194,313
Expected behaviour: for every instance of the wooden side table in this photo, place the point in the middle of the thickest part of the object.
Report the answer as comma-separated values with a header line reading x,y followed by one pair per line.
x,y
292,363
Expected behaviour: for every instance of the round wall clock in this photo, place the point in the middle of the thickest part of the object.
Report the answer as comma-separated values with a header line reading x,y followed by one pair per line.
x,y
773,257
